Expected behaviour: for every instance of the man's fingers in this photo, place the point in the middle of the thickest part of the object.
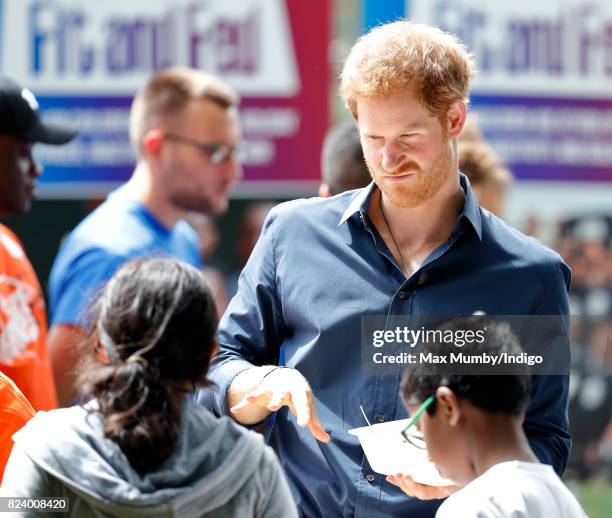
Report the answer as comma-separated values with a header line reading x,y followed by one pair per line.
x,y
317,430
422,491
407,480
292,408
251,398
256,394
241,404
449,490
277,400
405,483
306,414
315,426
302,406
392,480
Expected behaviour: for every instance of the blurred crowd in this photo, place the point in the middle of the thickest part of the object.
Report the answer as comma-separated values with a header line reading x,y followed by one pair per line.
x,y
585,243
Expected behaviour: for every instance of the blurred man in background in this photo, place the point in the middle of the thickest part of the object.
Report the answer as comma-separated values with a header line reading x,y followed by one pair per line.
x,y
23,322
185,131
483,167
343,167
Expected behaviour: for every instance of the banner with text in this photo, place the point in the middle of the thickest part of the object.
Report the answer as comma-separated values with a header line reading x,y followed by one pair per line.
x,y
85,60
542,92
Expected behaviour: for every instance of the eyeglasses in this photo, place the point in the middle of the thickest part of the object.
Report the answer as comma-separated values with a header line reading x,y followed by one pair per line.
x,y
217,153
413,436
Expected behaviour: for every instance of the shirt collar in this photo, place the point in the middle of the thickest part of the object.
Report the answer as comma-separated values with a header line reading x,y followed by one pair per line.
x,y
471,209
359,203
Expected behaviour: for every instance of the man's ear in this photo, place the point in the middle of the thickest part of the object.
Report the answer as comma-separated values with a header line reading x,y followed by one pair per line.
x,y
448,404
152,142
325,191
455,118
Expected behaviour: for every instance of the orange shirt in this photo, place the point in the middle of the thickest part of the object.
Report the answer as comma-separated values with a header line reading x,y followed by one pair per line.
x,y
15,411
23,325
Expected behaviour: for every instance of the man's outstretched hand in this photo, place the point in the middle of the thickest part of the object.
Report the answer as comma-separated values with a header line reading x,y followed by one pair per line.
x,y
422,491
285,387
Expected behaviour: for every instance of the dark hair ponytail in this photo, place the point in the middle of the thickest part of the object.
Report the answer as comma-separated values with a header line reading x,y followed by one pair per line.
x,y
155,322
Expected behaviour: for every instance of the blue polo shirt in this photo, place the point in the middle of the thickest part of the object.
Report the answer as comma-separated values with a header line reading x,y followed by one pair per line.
x,y
319,266
118,230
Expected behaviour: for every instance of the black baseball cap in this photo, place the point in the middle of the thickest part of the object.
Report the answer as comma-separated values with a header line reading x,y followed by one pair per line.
x,y
20,117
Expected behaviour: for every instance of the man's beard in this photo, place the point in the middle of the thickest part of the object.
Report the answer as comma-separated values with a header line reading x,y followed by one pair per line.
x,y
422,186
187,201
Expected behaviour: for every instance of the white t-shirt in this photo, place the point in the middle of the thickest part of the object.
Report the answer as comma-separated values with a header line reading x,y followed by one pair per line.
x,y
513,489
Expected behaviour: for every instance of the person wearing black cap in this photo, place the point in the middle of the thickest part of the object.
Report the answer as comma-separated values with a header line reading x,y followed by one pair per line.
x,y
23,324
20,127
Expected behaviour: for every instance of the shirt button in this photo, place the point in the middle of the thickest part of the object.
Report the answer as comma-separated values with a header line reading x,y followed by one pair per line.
x,y
370,478
401,295
380,418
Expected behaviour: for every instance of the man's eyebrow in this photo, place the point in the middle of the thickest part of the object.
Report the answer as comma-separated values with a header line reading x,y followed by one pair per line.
x,y
406,129
412,127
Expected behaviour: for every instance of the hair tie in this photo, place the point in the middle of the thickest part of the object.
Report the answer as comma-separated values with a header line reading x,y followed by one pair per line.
x,y
136,358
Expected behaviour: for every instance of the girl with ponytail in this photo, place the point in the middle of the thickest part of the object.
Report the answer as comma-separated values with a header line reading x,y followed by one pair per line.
x,y
138,445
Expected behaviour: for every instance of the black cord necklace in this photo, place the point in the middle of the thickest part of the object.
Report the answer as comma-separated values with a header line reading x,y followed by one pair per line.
x,y
382,213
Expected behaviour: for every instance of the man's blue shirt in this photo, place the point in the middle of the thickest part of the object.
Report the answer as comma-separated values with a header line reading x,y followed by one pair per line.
x,y
318,267
118,230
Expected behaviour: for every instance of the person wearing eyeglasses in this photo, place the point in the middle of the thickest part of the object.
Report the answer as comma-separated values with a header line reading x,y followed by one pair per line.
x,y
185,131
472,425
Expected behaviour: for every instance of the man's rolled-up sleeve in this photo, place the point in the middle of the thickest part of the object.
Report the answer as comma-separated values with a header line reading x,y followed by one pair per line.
x,y
546,422
252,329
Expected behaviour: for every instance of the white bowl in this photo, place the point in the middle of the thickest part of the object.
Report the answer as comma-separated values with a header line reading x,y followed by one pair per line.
x,y
389,453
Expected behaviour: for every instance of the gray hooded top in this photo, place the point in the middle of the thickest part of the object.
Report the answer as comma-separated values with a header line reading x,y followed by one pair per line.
x,y
217,469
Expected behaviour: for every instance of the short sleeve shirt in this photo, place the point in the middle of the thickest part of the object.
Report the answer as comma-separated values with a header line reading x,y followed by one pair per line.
x,y
119,230
23,325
